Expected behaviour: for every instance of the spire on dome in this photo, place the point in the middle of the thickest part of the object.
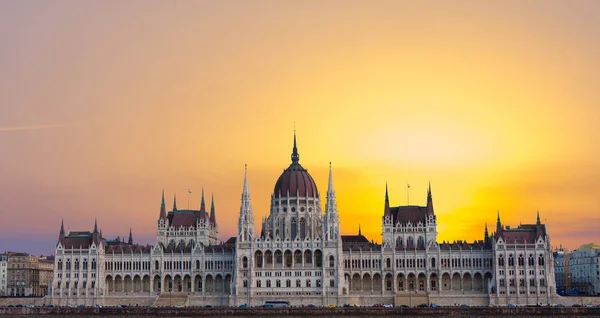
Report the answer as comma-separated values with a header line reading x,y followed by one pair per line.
x,y
295,155
213,217
174,202
130,241
202,206
163,209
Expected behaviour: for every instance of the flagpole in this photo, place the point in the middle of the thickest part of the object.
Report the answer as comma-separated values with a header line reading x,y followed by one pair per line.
x,y
407,195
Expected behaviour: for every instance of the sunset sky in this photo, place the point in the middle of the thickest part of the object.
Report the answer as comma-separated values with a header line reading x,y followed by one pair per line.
x,y
105,103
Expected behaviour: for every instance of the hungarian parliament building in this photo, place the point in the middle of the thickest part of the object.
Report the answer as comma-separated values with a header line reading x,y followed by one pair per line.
x,y
301,256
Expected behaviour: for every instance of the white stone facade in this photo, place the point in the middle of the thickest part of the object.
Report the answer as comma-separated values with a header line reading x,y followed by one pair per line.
x,y
301,256
3,275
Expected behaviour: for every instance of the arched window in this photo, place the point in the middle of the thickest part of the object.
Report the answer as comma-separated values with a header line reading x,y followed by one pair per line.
x,y
388,263
541,261
302,228
60,264
399,242
288,283
93,263
68,264
433,262
521,260
156,265
245,262
501,260
410,242
331,261
259,258
294,229
76,264
511,260
421,242
530,260
198,264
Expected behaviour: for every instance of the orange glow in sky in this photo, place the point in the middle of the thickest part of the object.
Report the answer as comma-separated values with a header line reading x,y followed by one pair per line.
x,y
104,104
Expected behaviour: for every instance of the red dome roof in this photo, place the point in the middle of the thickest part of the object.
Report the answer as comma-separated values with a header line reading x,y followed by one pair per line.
x,y
295,180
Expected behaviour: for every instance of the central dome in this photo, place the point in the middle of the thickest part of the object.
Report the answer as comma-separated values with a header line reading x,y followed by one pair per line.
x,y
295,180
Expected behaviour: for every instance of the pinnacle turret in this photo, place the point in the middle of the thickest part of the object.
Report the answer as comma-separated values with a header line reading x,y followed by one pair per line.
x,y
331,206
130,241
386,209
163,209
213,216
202,206
95,226
174,202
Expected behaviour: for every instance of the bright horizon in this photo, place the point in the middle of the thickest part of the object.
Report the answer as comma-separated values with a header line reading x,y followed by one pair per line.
x,y
104,104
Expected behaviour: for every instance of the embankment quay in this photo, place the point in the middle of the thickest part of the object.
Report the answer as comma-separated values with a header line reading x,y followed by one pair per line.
x,y
302,312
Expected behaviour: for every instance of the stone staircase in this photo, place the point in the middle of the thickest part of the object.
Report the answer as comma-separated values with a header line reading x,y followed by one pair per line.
x,y
171,300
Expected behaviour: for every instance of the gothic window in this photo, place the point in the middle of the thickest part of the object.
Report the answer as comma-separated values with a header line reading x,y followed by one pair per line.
x,y
421,242
388,263
433,262
298,283
197,264
398,242
302,228
541,260
308,283
245,262
501,260
278,283
85,264
542,282
410,241
60,264
278,257
68,264
245,284
318,258
521,260
259,259
294,228
332,261
258,283
288,283
531,260
532,282
511,260
268,283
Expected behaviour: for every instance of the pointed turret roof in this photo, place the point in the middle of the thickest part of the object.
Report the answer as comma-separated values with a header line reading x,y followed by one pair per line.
x,y
246,191
174,202
538,222
295,154
95,226
163,209
130,241
213,216
202,205
386,209
359,229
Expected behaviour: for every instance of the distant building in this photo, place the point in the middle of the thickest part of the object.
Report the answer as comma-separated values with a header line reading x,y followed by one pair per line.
x,y
300,255
578,272
28,275
3,274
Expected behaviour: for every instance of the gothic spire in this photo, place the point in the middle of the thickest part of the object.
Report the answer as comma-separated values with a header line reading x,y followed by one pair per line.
x,y
213,217
498,223
429,200
295,155
331,206
202,206
61,235
538,222
95,226
486,234
359,229
130,241
386,209
245,192
174,202
163,209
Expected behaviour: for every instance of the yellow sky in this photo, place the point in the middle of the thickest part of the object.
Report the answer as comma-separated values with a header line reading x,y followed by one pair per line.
x,y
495,103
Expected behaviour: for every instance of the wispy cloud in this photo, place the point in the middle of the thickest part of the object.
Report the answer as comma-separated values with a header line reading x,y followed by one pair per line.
x,y
31,127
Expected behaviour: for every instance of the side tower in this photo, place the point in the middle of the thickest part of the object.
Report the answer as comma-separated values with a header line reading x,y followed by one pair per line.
x,y
243,245
410,226
332,244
